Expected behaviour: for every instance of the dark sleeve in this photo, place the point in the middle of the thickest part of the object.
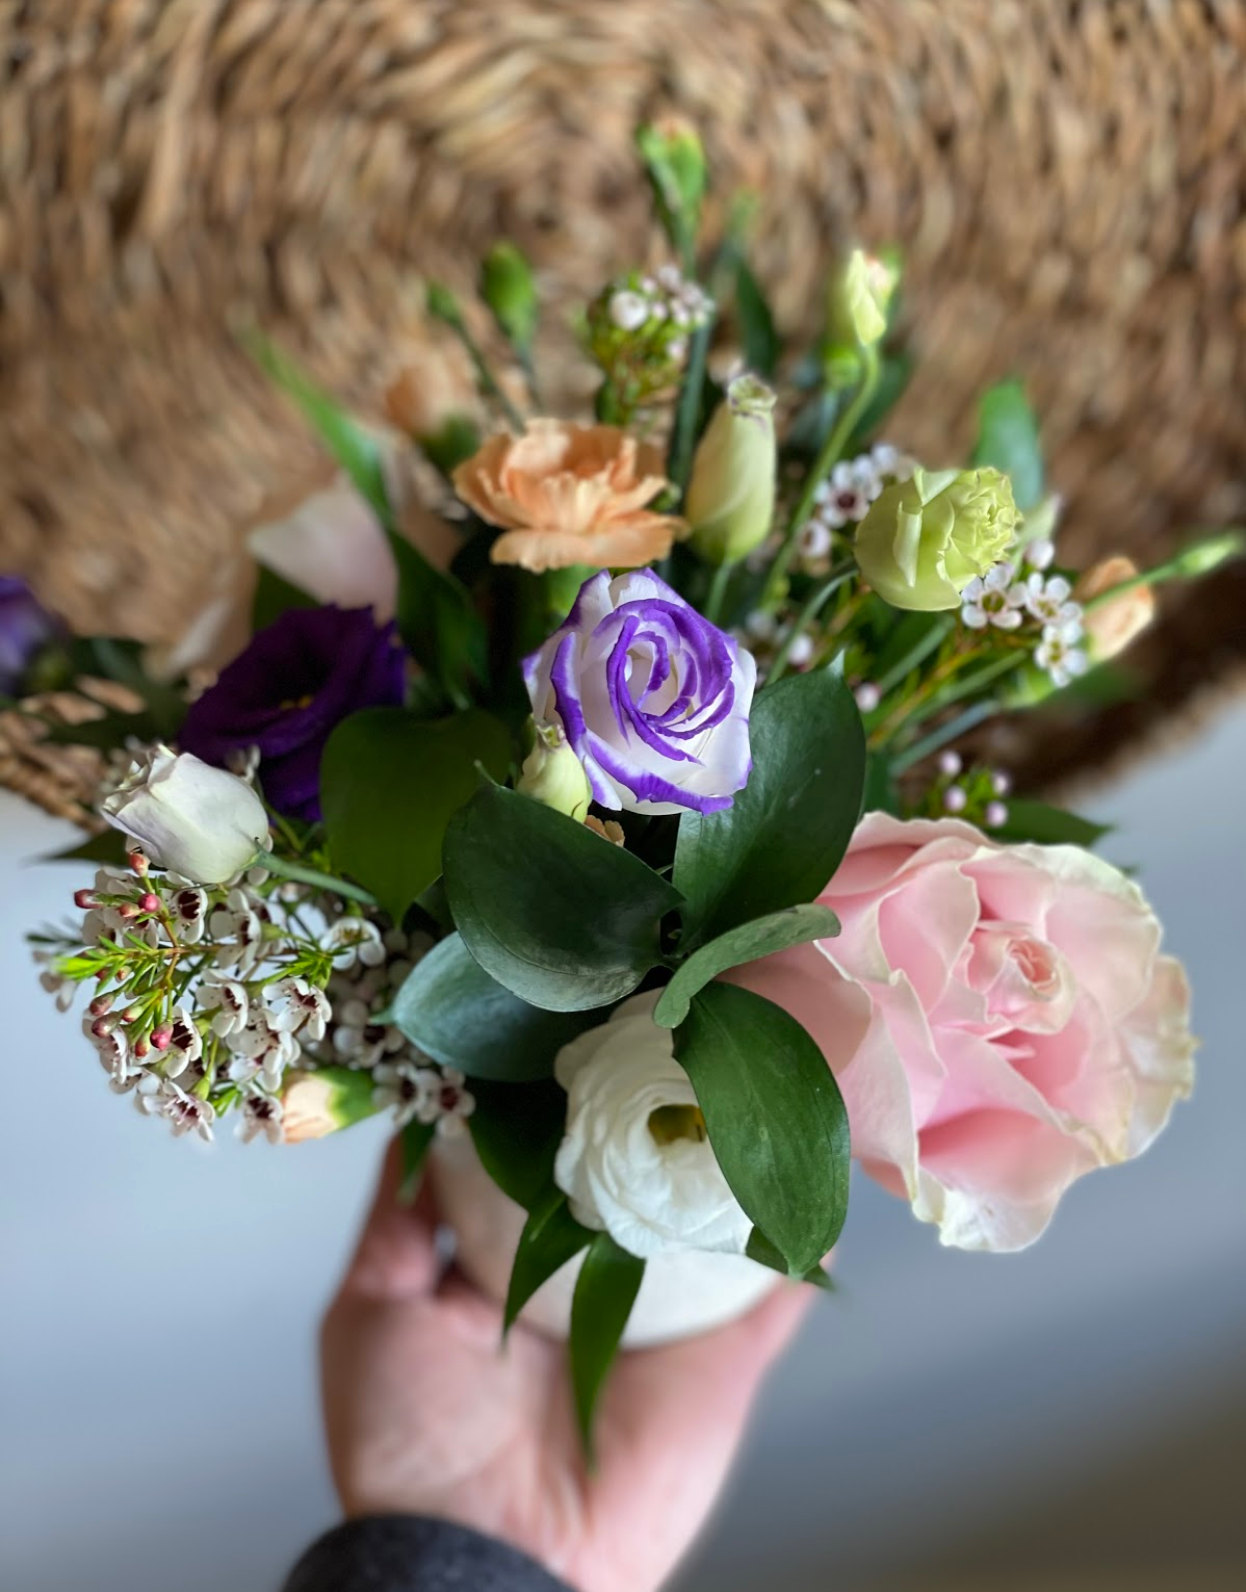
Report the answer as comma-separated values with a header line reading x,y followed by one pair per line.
x,y
404,1553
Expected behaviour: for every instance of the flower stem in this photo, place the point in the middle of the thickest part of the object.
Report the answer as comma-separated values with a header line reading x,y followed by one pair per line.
x,y
717,591
808,614
313,876
688,408
826,461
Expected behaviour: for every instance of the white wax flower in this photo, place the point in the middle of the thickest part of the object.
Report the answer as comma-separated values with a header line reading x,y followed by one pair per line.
x,y
635,1162
194,819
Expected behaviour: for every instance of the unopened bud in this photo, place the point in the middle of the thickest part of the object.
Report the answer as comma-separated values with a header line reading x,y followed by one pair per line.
x,y
128,911
1207,555
103,1026
674,158
131,1014
139,862
100,1005
149,902
553,775
1111,625
507,287
84,900
141,1047
162,1037
318,1103
730,501
859,299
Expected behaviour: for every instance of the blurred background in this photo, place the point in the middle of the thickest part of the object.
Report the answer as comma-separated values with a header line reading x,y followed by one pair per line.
x,y
1067,180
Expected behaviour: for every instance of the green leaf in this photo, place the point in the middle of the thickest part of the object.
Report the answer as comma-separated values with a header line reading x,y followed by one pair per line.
x,y
688,407
274,596
354,448
389,786
414,1143
774,1116
563,919
782,838
605,1292
881,794
508,288
109,731
517,1128
551,1237
108,846
760,1249
748,943
1008,439
1047,826
436,619
762,345
450,1007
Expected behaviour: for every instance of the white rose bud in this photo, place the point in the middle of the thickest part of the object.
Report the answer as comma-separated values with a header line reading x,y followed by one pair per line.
x,y
730,501
635,1161
194,819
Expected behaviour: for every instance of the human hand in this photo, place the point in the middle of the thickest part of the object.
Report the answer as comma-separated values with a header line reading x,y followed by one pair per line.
x,y
426,1415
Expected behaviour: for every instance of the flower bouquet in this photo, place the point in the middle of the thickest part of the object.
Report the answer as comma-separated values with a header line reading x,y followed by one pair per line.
x,y
621,839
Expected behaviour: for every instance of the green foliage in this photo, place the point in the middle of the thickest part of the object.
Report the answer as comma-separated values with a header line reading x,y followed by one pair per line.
x,y
760,1249
414,1143
386,830
274,596
775,1118
124,661
109,846
1008,440
782,838
508,288
758,334
559,916
605,1292
458,1015
436,619
675,163
517,1128
748,943
1047,826
551,1237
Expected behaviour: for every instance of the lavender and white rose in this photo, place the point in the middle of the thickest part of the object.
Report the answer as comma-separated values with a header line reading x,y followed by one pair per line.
x,y
653,699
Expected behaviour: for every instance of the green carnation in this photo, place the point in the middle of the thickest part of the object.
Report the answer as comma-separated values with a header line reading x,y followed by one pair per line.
x,y
924,540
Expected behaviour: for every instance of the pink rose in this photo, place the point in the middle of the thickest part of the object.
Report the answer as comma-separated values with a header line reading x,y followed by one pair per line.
x,y
998,1018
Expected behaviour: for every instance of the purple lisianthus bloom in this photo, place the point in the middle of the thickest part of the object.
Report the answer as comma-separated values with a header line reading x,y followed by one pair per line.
x,y
26,628
652,697
287,692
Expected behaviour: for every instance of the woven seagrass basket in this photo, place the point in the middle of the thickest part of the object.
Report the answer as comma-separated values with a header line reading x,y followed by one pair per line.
x,y
1066,177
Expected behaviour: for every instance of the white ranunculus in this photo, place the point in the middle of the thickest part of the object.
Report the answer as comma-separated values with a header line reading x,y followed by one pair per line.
x,y
196,820
652,1188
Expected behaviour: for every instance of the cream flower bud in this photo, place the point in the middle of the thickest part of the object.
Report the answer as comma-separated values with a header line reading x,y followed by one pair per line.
x,y
194,819
730,502
859,299
925,539
553,774
314,1104
1110,626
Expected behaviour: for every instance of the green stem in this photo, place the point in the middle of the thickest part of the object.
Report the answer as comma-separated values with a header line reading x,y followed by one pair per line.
x,y
957,691
323,881
826,461
683,435
717,591
947,732
808,614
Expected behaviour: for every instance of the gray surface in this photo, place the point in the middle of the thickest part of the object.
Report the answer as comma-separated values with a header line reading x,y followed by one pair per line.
x,y
157,1402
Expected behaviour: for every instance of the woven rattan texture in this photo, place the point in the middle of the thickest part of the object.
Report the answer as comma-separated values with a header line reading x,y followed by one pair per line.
x,y
1068,181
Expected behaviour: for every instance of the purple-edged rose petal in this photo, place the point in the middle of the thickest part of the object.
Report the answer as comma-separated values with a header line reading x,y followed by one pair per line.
x,y
653,698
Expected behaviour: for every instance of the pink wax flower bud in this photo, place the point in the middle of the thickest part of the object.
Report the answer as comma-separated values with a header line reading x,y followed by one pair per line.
x,y
162,1037
84,900
100,1005
138,862
149,902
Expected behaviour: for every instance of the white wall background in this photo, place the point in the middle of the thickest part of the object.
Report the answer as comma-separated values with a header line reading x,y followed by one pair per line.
x,y
158,1419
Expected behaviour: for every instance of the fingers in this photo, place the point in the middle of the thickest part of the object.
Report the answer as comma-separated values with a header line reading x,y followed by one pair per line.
x,y
397,1255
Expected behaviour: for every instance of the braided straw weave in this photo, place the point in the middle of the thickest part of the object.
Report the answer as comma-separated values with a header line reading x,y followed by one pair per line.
x,y
1065,178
